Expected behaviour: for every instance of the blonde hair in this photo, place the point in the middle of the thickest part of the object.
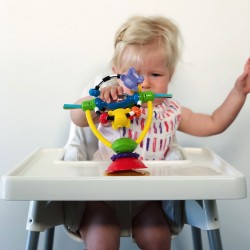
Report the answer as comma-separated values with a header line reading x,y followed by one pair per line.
x,y
138,31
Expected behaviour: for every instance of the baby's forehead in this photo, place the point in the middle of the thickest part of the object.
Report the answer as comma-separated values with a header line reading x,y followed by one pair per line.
x,y
142,56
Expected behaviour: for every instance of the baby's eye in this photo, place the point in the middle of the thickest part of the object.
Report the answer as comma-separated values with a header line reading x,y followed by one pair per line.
x,y
155,75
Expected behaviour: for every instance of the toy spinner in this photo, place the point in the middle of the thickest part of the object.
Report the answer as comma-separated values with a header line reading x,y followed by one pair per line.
x,y
120,113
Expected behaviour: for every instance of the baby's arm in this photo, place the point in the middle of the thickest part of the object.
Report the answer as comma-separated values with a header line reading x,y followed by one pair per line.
x,y
205,125
78,116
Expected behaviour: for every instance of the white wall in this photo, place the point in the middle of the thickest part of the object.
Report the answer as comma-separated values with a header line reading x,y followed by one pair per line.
x,y
50,50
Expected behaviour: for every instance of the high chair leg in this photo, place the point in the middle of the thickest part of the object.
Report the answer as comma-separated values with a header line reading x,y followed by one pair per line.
x,y
49,239
196,236
32,240
214,239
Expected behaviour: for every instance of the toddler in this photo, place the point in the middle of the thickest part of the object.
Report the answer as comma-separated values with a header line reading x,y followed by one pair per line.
x,y
152,46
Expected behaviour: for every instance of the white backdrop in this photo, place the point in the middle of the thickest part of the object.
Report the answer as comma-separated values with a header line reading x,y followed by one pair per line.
x,y
51,49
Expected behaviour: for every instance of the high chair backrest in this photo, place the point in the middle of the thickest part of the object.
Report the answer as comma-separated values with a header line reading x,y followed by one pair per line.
x,y
81,144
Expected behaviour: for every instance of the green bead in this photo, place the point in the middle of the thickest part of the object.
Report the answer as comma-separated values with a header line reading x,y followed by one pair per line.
x,y
146,96
88,105
123,145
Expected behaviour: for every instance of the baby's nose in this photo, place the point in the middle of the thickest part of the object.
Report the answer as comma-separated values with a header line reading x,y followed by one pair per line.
x,y
146,83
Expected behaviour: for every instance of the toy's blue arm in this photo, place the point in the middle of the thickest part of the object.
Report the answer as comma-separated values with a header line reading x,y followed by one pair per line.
x,y
130,100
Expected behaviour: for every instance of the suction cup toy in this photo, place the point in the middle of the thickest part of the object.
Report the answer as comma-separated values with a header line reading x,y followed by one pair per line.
x,y
120,113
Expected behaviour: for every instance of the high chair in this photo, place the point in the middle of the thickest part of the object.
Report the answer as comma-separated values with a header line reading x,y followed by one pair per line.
x,y
194,183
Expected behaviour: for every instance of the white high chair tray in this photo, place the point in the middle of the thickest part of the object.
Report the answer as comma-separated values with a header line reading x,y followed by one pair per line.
x,y
201,175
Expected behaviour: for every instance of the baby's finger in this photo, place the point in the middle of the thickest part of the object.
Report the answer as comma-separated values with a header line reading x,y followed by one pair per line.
x,y
107,95
247,66
246,71
114,92
120,90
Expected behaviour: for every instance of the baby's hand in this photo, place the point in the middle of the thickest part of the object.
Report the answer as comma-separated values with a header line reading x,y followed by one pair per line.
x,y
243,82
111,93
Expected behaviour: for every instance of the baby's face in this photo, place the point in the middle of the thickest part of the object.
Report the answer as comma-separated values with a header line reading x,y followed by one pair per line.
x,y
153,67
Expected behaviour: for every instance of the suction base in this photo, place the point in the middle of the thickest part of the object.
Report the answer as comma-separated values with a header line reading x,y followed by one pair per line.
x,y
123,164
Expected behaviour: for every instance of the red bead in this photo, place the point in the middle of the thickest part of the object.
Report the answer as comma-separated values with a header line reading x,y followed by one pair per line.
x,y
103,118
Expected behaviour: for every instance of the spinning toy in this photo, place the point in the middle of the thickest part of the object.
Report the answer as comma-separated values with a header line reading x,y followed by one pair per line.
x,y
120,113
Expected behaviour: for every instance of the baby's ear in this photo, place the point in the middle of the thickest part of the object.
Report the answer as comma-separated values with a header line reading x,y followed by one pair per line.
x,y
171,75
114,69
